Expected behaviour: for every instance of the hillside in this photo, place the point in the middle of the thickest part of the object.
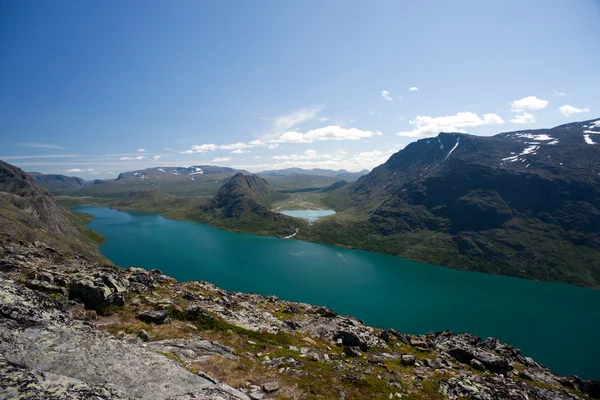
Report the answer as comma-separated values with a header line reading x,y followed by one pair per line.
x,y
243,205
524,203
54,182
29,213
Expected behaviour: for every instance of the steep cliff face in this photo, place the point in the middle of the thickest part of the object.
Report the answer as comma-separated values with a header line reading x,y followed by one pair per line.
x,y
23,193
29,213
54,182
501,204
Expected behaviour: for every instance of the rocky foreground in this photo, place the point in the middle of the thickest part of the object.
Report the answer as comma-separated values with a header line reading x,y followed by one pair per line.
x,y
72,329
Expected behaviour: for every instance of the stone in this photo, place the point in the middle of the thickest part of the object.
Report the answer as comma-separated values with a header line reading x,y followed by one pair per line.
x,y
91,294
408,359
351,339
478,365
270,387
352,351
143,335
419,344
156,316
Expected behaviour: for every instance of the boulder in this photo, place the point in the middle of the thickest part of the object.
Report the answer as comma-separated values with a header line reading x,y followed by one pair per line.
x,y
352,351
351,339
92,295
156,316
270,387
477,364
408,359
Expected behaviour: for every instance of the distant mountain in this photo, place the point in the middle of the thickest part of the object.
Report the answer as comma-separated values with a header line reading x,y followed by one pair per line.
x,y
342,173
523,203
173,173
54,182
243,204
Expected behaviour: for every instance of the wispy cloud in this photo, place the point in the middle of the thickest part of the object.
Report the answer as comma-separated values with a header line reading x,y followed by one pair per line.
x,y
133,158
40,145
39,156
141,150
285,122
73,170
413,89
221,159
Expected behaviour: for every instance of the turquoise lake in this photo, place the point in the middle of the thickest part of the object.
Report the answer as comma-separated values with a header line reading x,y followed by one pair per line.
x,y
556,324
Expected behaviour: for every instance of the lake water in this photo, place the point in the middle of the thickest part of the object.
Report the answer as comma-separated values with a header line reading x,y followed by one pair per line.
x,y
557,324
310,215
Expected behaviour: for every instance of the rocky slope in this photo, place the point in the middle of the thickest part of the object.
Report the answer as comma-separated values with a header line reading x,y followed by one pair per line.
x,y
28,213
523,203
70,328
54,182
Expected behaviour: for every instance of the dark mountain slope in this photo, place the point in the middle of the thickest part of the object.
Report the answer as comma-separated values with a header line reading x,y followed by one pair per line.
x,y
523,203
56,182
29,213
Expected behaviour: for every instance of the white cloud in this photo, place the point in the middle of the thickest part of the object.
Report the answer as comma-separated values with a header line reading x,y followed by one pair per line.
x,y
202,148
528,103
156,157
239,151
221,159
523,118
168,149
333,132
568,110
74,170
386,95
90,170
371,113
133,158
284,122
141,150
308,155
425,125
413,89
235,146
41,145
272,146
557,93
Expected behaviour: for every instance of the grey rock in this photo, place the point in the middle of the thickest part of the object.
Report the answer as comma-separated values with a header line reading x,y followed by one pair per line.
x,y
156,316
38,336
352,351
270,387
408,359
478,365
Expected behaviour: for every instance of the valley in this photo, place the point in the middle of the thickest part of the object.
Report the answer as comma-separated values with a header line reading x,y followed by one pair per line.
x,y
521,203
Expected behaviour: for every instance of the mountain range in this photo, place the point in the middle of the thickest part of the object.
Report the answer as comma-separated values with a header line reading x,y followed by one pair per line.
x,y
523,203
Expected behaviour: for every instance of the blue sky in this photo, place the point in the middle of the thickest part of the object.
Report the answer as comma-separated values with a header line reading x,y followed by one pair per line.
x,y
96,88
